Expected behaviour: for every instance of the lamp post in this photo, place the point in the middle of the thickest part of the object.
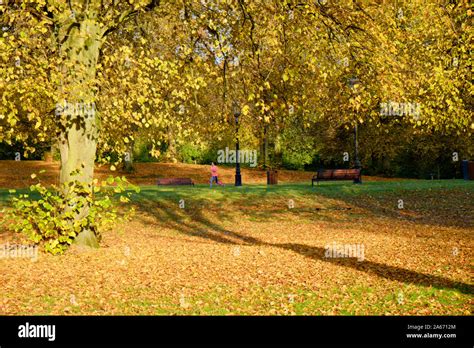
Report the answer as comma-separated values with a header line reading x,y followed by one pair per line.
x,y
357,165
238,176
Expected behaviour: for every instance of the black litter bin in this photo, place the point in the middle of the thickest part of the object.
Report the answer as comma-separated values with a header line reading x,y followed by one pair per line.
x,y
470,170
465,169
272,177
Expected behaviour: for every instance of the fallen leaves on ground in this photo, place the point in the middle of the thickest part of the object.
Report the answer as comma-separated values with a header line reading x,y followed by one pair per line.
x,y
251,254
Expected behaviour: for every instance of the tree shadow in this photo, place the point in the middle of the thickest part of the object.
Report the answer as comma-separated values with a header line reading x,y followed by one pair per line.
x,y
192,222
385,271
445,208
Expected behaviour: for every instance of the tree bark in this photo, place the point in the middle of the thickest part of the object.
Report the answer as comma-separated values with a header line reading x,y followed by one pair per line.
x,y
129,158
265,146
171,152
78,121
277,150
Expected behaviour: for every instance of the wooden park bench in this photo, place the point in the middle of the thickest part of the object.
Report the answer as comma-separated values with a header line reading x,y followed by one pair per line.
x,y
336,174
175,181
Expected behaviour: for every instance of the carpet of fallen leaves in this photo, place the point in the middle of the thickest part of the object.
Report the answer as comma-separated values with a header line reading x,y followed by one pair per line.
x,y
231,252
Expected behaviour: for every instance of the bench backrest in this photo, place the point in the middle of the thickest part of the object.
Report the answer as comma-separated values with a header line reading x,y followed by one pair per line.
x,y
175,181
338,173
325,174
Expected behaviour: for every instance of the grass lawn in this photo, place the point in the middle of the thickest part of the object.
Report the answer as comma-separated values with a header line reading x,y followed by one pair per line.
x,y
259,250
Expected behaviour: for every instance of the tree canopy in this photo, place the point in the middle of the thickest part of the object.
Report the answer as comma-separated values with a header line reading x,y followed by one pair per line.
x,y
92,76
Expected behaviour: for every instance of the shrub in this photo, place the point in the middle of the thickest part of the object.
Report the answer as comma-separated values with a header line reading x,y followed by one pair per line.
x,y
190,153
296,161
54,220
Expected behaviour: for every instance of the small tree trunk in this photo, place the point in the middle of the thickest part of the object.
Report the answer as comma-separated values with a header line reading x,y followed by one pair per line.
x,y
277,150
129,158
171,152
265,146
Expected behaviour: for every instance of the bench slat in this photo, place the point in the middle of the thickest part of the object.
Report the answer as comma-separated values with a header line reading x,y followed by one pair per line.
x,y
175,181
337,174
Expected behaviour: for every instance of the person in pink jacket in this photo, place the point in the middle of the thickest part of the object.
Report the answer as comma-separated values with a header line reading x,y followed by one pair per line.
x,y
214,174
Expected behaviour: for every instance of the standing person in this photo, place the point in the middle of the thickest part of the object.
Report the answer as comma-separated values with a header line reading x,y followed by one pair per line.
x,y
214,174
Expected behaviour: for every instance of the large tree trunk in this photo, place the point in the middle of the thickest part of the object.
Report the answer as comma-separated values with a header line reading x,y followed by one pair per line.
x,y
79,124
